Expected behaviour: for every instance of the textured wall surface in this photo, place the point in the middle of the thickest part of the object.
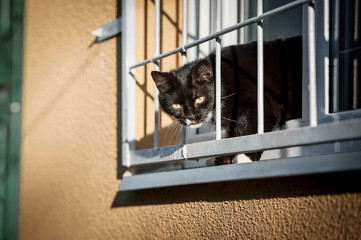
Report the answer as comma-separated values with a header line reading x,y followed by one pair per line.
x,y
68,157
69,154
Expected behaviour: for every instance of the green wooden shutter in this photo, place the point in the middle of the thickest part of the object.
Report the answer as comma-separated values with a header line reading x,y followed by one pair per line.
x,y
11,49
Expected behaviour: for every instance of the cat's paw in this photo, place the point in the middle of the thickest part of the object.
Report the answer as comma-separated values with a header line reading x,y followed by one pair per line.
x,y
211,162
219,161
241,158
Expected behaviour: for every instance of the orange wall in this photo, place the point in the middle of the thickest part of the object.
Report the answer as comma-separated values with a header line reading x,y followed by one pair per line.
x,y
68,148
69,151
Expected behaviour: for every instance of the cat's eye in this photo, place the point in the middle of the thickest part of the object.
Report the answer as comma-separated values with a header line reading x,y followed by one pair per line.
x,y
176,106
200,100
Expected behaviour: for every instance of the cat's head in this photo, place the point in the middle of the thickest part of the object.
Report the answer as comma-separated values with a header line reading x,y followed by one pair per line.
x,y
187,93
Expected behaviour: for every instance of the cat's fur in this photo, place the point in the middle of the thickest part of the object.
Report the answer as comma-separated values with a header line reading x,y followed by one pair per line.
x,y
188,93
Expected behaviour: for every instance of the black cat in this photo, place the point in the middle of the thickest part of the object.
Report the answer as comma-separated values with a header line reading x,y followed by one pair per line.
x,y
188,93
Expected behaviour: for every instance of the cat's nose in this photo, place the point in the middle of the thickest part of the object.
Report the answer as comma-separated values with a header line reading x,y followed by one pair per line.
x,y
191,117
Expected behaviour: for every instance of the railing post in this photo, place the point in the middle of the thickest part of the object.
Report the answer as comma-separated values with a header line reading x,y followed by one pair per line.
x,y
260,77
156,68
312,64
184,55
218,71
127,83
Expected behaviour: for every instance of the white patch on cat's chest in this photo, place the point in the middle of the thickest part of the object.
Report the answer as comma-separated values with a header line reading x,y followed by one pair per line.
x,y
209,117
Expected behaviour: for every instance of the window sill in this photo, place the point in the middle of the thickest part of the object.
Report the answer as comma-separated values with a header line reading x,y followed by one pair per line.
x,y
317,164
330,147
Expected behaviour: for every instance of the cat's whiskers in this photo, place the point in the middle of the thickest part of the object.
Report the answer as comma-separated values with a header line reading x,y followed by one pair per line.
x,y
165,130
175,131
170,129
162,129
230,95
211,123
230,119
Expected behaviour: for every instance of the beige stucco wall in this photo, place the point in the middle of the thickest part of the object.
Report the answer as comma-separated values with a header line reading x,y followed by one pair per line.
x,y
69,154
68,151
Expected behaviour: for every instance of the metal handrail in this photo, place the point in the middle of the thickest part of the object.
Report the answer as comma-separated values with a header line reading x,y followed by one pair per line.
x,y
223,31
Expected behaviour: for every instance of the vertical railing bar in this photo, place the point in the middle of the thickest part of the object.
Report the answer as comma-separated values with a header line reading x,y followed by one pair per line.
x,y
356,61
305,83
218,71
184,54
335,52
241,18
184,32
260,77
156,68
312,64
127,83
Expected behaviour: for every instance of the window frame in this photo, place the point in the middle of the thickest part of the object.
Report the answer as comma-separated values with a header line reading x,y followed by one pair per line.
x,y
324,127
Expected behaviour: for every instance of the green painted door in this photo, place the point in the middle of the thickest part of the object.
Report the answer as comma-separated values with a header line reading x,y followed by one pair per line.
x,y
11,49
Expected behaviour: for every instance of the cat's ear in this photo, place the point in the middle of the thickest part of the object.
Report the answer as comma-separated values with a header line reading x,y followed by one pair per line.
x,y
202,73
160,80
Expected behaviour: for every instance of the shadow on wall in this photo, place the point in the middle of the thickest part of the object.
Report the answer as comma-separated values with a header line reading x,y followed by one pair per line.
x,y
58,95
333,183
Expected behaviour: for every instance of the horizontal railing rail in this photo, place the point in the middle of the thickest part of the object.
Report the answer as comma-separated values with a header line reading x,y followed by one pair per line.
x,y
295,166
305,136
242,24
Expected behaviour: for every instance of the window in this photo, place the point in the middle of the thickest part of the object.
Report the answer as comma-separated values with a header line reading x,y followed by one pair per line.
x,y
319,142
345,55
